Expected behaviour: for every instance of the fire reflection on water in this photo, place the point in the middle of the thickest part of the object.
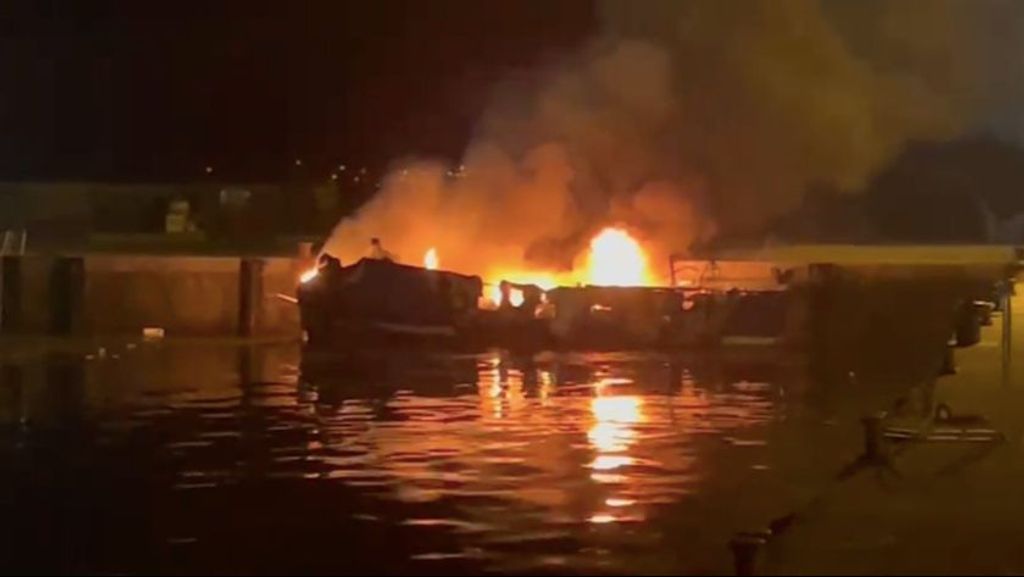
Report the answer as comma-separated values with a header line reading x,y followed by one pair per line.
x,y
611,435
613,416
592,448
499,449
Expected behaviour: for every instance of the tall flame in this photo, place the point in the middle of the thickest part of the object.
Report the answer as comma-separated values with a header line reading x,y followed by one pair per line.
x,y
616,259
430,260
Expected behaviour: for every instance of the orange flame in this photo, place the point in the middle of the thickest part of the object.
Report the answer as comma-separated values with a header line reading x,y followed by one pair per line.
x,y
309,275
616,259
430,260
494,294
515,297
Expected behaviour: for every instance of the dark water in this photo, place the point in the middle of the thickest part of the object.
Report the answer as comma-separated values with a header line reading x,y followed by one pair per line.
x,y
172,458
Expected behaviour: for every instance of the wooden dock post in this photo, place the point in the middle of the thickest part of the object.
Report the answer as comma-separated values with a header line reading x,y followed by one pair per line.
x,y
67,295
250,293
11,297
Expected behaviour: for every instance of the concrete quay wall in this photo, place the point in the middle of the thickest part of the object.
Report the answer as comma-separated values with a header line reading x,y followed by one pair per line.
x,y
123,294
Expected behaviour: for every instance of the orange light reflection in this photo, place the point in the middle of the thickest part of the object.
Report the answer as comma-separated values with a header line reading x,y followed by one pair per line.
x,y
611,435
610,462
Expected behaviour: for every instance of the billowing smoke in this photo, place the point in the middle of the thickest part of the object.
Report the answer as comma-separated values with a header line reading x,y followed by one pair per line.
x,y
683,119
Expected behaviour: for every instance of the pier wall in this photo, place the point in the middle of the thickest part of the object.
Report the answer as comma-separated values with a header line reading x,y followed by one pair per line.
x,y
123,294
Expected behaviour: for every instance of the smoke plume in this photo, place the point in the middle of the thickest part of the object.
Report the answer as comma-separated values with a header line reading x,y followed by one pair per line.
x,y
682,119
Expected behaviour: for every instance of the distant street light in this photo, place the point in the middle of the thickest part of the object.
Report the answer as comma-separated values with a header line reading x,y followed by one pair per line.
x,y
209,170
298,162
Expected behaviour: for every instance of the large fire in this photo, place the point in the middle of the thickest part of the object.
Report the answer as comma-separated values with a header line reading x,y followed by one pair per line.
x,y
616,259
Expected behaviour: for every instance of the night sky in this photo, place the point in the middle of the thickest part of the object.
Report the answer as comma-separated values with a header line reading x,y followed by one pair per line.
x,y
155,91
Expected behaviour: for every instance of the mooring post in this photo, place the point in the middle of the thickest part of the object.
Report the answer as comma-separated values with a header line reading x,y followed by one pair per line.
x,y
10,300
67,295
250,292
745,548
875,448
76,278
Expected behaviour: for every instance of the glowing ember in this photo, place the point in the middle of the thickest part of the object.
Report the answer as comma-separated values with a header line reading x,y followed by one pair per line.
x,y
309,275
616,259
494,294
515,297
430,260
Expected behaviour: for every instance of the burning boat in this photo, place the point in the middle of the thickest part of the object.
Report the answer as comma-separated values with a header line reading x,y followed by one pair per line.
x,y
382,302
861,304
379,302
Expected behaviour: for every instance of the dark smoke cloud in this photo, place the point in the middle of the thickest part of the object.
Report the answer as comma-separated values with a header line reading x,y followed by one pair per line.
x,y
683,119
